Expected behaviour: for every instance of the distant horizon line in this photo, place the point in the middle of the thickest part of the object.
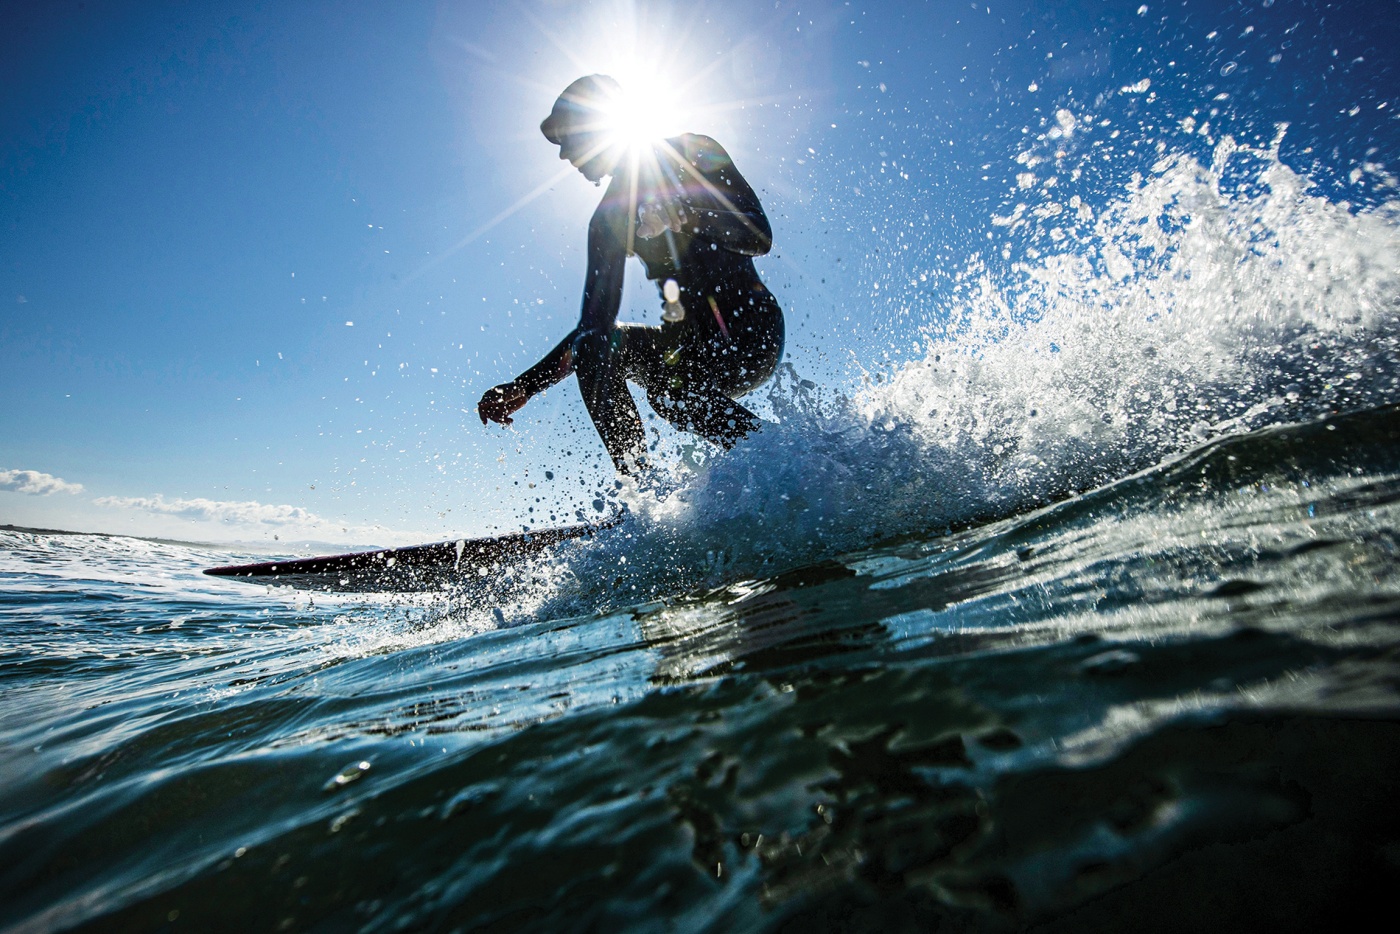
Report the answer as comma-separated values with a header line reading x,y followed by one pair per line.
x,y
257,546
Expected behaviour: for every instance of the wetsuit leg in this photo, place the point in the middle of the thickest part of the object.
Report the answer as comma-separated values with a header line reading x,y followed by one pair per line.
x,y
690,380
705,411
695,377
600,366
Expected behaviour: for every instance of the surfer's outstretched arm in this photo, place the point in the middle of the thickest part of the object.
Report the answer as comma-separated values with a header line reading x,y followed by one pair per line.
x,y
602,297
499,403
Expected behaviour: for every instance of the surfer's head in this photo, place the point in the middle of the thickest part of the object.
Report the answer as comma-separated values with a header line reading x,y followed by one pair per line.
x,y
580,125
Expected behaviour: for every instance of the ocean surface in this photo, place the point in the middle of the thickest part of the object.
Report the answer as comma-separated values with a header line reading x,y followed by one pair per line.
x,y
1081,614
1171,702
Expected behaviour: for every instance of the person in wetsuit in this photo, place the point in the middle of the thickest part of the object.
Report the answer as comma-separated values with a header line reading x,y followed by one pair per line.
x,y
681,207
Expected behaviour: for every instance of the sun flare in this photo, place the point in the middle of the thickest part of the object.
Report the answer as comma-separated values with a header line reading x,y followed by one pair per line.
x,y
666,88
646,112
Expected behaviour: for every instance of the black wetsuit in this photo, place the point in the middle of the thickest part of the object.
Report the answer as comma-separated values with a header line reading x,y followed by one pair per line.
x,y
730,338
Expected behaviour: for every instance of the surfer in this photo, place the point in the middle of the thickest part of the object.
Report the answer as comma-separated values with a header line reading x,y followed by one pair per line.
x,y
683,209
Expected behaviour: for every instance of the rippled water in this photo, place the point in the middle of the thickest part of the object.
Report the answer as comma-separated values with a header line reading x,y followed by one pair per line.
x,y
1171,701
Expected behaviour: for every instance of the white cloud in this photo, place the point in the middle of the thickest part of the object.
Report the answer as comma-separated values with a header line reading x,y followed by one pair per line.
x,y
35,483
247,521
210,510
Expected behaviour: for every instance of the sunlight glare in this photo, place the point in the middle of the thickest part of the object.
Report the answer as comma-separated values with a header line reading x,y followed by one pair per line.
x,y
645,113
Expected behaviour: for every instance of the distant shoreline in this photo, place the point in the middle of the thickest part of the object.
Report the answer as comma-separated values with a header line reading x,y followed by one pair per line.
x,y
141,538
255,547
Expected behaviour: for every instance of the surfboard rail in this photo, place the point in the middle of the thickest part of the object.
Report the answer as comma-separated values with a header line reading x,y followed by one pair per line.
x,y
411,569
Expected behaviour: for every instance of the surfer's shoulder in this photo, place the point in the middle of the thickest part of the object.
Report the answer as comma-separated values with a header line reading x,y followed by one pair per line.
x,y
702,152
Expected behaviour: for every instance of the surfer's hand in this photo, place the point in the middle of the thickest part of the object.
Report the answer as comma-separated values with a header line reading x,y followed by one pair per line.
x,y
499,403
654,219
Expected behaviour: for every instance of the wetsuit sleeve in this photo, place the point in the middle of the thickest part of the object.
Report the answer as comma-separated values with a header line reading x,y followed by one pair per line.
x,y
602,298
607,258
554,366
721,207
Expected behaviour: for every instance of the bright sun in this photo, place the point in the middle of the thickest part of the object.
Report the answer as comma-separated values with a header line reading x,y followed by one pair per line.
x,y
645,112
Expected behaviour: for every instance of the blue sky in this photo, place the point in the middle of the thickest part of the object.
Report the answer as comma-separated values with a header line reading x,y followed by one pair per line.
x,y
259,259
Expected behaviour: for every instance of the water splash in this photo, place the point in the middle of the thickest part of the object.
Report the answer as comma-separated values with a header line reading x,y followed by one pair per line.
x,y
1206,299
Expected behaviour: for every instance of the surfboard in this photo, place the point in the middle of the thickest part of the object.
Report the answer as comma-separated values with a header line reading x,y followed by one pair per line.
x,y
408,570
